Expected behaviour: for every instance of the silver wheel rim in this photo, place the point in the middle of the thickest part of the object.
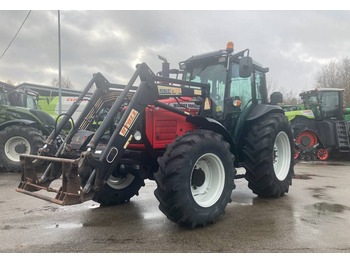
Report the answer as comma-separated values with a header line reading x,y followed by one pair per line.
x,y
281,156
120,182
209,192
10,147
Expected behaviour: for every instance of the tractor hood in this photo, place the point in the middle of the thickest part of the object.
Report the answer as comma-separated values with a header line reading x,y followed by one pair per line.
x,y
306,113
44,117
14,112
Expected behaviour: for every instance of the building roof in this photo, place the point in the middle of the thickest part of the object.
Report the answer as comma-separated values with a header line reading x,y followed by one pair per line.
x,y
49,90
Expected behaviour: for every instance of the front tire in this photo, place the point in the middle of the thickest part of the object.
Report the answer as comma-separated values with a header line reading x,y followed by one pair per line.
x,y
195,178
16,140
119,189
269,156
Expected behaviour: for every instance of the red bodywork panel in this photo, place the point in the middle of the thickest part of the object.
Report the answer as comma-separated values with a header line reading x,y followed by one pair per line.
x,y
162,126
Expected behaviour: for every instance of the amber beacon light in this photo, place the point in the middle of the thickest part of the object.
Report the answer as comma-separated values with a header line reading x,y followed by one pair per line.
x,y
229,47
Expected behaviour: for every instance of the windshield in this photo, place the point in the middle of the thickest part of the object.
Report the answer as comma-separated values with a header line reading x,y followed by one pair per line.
x,y
239,88
310,101
215,75
31,102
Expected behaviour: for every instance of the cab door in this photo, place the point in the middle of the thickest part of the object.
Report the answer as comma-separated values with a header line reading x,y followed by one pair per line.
x,y
331,105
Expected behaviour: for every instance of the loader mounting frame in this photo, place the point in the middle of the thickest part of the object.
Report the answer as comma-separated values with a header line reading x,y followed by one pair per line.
x,y
84,175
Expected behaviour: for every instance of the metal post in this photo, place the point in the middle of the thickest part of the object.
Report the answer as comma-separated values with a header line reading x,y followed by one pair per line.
x,y
59,65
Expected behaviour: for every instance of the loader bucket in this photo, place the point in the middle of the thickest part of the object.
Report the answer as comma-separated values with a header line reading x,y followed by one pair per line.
x,y
69,193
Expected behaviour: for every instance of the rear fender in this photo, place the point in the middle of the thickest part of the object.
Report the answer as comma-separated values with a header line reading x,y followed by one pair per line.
x,y
261,110
254,113
213,125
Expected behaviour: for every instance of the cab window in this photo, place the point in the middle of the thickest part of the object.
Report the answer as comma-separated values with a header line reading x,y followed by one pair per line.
x,y
240,88
215,75
31,102
330,104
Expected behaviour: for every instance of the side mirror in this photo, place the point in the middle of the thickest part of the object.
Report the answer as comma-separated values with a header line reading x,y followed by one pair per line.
x,y
245,67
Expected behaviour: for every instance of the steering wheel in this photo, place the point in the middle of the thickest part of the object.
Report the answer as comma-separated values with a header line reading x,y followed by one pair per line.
x,y
101,116
250,100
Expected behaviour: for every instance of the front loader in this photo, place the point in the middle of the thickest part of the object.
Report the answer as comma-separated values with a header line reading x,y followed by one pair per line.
x,y
189,135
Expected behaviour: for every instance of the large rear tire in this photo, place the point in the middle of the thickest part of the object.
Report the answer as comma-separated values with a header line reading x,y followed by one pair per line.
x,y
269,156
195,178
16,140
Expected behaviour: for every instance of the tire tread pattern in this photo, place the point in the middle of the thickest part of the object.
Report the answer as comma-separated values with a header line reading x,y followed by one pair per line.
x,y
258,161
33,136
173,183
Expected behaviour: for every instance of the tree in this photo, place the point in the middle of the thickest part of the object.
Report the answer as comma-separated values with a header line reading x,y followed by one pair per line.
x,y
291,98
9,82
336,75
65,83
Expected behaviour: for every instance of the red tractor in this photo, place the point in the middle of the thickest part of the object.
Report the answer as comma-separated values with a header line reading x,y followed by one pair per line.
x,y
189,135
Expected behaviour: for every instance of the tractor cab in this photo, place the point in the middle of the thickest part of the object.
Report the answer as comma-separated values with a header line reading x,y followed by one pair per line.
x,y
236,83
325,103
20,98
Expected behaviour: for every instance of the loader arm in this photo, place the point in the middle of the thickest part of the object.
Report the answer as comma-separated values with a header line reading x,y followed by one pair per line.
x,y
83,175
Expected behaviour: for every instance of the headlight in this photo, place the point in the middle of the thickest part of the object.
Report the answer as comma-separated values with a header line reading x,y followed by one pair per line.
x,y
137,135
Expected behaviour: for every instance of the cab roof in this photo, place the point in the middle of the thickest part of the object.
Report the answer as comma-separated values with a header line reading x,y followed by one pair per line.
x,y
217,54
321,90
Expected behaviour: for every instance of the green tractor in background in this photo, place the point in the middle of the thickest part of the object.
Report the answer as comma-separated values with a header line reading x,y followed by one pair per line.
x,y
23,127
50,105
321,125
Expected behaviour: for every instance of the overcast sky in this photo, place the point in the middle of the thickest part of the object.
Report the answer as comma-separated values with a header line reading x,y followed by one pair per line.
x,y
293,44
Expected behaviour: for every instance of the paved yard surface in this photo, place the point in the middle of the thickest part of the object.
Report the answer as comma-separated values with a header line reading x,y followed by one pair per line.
x,y
313,217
